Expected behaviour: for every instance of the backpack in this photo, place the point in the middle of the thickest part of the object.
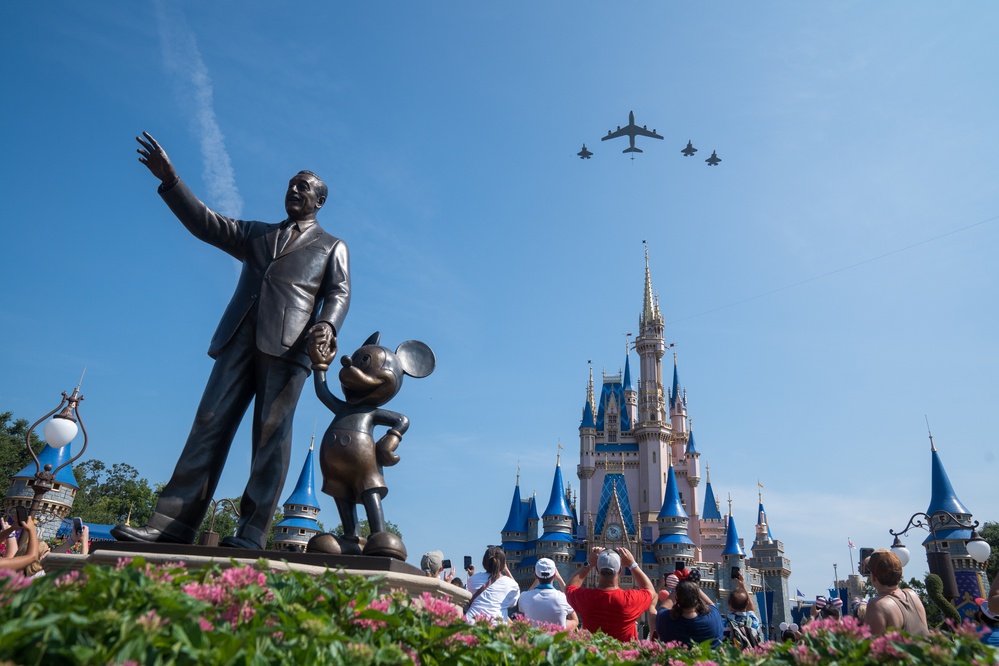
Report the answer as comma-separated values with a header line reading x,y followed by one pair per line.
x,y
741,632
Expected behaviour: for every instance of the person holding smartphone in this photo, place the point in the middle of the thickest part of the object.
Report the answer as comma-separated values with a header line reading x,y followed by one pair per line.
x,y
742,626
18,562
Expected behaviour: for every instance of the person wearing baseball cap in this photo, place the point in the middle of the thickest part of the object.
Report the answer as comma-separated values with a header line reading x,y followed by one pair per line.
x,y
607,607
543,603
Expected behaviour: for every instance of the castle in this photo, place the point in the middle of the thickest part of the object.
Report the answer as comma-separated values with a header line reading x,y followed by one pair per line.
x,y
639,477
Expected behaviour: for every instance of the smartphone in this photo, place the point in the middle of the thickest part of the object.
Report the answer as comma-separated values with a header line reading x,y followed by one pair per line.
x,y
446,564
77,526
468,562
20,514
680,566
735,572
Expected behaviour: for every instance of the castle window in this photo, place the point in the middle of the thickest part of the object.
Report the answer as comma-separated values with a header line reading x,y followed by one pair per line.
x,y
653,456
57,487
301,532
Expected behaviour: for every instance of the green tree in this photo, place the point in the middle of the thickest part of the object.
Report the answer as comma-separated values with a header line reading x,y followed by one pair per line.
x,y
366,529
13,455
110,496
990,532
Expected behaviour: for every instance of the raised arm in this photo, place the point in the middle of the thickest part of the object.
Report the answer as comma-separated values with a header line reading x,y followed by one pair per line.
x,y
20,561
579,577
641,578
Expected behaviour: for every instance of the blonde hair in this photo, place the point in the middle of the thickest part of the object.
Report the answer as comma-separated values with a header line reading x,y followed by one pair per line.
x,y
36,566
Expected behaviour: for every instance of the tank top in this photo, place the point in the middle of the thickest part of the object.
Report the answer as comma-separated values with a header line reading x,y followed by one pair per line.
x,y
911,622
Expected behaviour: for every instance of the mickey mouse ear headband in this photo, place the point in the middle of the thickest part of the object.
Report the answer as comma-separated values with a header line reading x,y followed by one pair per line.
x,y
836,603
820,602
784,626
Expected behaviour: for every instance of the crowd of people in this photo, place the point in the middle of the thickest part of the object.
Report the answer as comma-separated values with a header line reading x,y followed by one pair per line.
x,y
680,612
23,551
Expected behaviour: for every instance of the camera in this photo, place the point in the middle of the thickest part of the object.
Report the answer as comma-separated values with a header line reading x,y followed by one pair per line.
x,y
468,562
77,526
20,515
446,564
680,566
735,572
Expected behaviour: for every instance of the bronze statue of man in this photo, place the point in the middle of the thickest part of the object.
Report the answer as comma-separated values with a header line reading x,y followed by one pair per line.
x,y
295,281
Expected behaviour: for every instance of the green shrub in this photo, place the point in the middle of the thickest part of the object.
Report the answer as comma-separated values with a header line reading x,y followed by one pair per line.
x,y
141,614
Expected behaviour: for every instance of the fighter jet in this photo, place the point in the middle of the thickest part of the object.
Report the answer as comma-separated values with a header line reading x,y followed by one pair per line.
x,y
714,159
584,154
689,150
631,131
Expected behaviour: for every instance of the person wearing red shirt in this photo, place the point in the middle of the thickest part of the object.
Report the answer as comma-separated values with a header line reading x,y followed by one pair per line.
x,y
607,607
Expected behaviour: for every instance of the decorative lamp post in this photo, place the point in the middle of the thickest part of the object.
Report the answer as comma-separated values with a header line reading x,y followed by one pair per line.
x,y
939,560
211,537
59,432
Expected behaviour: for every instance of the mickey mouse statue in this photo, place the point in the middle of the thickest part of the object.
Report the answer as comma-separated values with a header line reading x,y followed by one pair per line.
x,y
350,459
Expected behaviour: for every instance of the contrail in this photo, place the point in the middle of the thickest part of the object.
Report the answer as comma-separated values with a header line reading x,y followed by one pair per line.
x,y
193,85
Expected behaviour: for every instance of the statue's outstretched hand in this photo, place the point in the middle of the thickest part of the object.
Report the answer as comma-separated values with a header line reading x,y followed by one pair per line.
x,y
155,158
322,346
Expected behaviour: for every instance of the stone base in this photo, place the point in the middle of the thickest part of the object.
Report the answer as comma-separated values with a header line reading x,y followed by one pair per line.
x,y
393,574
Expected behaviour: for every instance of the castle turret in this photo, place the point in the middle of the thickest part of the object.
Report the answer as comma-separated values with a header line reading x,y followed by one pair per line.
x,y
948,539
56,503
556,541
673,544
630,395
732,557
712,526
301,510
775,569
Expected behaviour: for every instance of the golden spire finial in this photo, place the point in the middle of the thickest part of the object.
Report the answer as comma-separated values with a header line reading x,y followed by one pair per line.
x,y
760,490
312,444
933,446
730,504
708,470
518,472
558,457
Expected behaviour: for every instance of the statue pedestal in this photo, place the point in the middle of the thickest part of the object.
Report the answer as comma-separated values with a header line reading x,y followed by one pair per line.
x,y
393,573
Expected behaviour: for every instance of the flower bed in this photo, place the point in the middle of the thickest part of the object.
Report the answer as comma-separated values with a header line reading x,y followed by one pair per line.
x,y
141,614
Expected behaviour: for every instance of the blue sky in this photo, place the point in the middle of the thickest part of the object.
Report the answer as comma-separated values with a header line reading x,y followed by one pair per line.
x,y
829,286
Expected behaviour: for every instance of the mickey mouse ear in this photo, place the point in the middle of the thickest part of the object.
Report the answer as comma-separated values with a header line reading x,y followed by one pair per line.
x,y
783,626
416,358
793,627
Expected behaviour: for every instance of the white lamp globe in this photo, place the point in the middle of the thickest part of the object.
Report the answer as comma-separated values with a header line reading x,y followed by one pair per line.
x,y
979,549
59,432
902,553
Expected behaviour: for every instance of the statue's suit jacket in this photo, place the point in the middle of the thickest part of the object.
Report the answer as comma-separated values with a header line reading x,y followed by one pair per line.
x,y
308,282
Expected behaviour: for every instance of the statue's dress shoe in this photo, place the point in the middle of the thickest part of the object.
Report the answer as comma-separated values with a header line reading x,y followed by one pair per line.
x,y
240,542
145,534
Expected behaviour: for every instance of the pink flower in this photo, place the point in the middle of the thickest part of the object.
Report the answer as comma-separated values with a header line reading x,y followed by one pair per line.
x,y
465,639
151,622
630,655
239,577
205,625
882,648
122,562
803,655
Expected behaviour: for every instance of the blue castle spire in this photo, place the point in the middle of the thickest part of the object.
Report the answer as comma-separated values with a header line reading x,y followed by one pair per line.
x,y
711,511
588,421
943,497
627,373
516,521
305,489
691,448
674,394
761,520
557,505
55,457
732,546
672,506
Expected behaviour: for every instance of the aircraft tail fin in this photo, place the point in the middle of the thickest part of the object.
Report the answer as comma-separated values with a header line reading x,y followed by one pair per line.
x,y
632,150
